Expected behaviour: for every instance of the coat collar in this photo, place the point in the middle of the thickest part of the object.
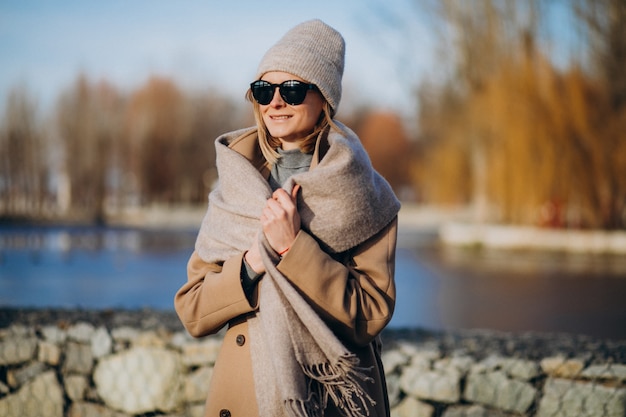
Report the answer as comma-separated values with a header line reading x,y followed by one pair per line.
x,y
247,145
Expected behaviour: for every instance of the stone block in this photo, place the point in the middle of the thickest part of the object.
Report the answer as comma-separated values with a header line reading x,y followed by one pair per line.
x,y
393,360
393,388
410,407
85,409
197,384
472,411
149,339
567,398
18,331
429,354
425,351
461,364
101,343
615,372
516,368
561,367
180,339
49,353
41,396
54,334
78,359
18,377
141,380
76,386
431,385
495,389
201,353
81,332
17,350
195,410
124,334
408,348
524,370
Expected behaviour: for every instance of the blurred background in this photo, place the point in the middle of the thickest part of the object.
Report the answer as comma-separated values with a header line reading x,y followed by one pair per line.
x,y
490,112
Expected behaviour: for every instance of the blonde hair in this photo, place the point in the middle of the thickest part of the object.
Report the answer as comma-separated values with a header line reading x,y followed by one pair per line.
x,y
269,144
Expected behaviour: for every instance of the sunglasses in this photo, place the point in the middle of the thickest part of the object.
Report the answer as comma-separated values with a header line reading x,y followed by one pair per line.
x,y
293,92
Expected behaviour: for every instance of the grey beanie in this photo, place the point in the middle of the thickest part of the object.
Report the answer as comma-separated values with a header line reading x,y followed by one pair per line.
x,y
314,52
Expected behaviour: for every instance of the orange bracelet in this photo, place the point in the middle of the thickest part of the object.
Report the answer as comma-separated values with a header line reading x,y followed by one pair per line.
x,y
284,251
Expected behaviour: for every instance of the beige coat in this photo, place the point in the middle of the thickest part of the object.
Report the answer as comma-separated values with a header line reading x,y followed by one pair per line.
x,y
354,295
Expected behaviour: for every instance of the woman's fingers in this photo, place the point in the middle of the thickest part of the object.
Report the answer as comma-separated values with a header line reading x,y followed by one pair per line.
x,y
274,210
284,199
294,194
282,203
280,219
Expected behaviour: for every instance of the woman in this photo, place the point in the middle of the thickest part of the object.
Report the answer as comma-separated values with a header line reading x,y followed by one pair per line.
x,y
296,253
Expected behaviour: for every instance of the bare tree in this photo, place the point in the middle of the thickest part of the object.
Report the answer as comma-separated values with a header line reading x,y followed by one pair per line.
x,y
157,123
88,123
604,23
171,135
212,115
23,166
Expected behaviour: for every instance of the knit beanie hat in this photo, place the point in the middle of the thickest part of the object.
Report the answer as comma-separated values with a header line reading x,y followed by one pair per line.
x,y
314,52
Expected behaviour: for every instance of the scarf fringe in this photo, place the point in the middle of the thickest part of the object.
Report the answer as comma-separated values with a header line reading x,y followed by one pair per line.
x,y
310,407
342,383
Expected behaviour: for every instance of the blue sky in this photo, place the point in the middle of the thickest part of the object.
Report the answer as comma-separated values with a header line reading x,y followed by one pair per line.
x,y
44,45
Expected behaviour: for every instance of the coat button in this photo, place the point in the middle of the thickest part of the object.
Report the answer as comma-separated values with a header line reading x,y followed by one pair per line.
x,y
240,340
224,413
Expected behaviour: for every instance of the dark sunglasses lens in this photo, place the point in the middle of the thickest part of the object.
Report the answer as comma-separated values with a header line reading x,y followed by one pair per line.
x,y
262,91
293,92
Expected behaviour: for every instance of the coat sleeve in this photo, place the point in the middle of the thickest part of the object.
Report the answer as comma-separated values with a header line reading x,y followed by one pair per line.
x,y
212,296
357,297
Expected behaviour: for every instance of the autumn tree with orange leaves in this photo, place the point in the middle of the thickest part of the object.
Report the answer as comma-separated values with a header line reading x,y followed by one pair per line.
x,y
520,140
384,137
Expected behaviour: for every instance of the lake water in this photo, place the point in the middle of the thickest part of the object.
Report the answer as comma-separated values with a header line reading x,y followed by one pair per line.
x,y
438,287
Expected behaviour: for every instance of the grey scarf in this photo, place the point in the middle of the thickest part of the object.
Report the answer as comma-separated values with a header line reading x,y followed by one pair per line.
x,y
298,362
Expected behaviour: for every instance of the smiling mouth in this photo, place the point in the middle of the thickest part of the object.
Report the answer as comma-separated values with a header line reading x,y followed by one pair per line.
x,y
280,117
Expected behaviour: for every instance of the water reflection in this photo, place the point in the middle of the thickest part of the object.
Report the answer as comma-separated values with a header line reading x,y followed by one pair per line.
x,y
92,267
521,291
91,239
438,287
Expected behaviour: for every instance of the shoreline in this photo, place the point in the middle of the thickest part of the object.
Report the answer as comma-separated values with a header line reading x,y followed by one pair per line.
x,y
416,223
455,228
129,363
480,342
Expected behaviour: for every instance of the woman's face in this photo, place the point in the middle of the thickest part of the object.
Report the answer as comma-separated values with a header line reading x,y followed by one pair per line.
x,y
290,124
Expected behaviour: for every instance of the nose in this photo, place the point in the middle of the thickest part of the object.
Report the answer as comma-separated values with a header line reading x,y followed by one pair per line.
x,y
277,100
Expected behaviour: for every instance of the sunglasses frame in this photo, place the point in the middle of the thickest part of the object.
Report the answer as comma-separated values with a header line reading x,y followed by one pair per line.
x,y
295,86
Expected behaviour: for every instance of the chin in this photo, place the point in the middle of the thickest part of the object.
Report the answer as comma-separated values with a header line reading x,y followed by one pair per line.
x,y
280,133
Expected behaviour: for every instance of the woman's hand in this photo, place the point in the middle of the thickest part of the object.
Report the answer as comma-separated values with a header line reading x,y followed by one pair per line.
x,y
253,256
280,219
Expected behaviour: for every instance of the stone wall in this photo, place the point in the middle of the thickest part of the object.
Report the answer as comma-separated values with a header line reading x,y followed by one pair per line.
x,y
119,364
